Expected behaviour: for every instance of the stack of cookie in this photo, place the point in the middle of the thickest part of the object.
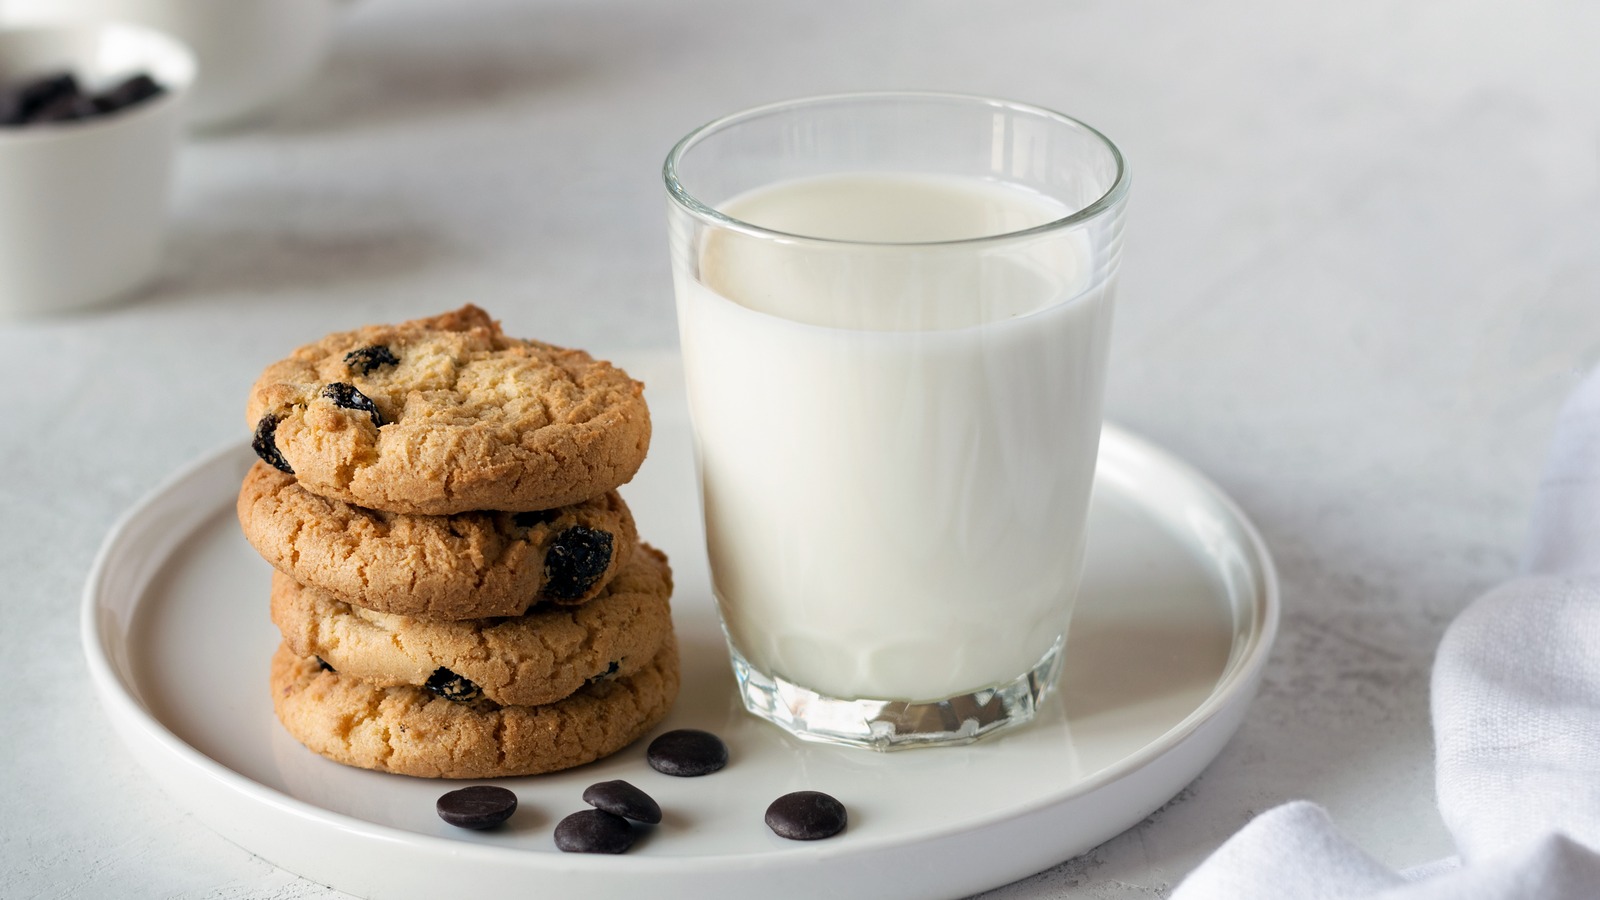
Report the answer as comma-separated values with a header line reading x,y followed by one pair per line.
x,y
460,589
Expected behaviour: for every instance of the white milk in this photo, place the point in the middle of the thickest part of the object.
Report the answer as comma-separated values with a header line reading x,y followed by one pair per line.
x,y
896,444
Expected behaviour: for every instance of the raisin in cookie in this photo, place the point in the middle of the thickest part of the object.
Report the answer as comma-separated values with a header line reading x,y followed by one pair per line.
x,y
411,731
465,566
446,415
523,660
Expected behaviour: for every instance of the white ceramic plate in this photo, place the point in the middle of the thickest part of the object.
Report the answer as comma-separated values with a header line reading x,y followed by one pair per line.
x,y
1177,615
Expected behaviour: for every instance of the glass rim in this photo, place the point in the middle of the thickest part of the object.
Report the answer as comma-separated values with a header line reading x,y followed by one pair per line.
x,y
680,195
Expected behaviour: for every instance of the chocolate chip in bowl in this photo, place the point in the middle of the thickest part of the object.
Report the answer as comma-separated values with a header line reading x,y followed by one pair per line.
x,y
21,102
90,121
132,91
252,54
60,97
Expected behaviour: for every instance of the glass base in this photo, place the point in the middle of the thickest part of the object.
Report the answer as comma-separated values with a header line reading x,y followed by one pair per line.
x,y
896,724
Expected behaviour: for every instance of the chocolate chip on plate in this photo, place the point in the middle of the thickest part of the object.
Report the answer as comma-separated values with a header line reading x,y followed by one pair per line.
x,y
477,807
687,752
806,816
594,831
623,799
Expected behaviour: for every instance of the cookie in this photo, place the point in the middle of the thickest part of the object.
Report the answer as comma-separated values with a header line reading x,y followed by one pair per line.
x,y
525,660
410,731
465,566
447,415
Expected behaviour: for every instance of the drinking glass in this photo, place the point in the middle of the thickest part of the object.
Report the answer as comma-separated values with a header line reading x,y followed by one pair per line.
x,y
894,311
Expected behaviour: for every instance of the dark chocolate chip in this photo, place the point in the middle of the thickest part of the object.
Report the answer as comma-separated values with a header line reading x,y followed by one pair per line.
x,y
65,108
323,665
536,517
10,105
130,92
451,686
478,807
623,799
43,92
265,445
345,396
806,816
602,676
59,98
575,561
364,360
594,831
687,752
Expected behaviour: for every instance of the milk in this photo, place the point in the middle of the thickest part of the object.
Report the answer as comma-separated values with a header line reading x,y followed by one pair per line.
x,y
896,444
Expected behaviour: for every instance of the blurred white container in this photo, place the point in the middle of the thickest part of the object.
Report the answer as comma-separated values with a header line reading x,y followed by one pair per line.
x,y
252,53
83,204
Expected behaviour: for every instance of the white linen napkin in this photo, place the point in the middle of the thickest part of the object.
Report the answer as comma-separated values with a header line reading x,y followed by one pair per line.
x,y
1516,718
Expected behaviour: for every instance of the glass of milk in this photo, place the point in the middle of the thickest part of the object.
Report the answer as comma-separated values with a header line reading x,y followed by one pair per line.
x,y
894,310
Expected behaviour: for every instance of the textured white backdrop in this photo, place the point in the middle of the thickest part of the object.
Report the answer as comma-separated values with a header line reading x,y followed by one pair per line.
x,y
1361,273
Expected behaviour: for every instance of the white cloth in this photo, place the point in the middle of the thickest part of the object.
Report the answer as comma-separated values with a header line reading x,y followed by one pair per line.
x,y
1516,718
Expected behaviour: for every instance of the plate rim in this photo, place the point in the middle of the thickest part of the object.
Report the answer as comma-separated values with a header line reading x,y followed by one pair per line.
x,y
120,700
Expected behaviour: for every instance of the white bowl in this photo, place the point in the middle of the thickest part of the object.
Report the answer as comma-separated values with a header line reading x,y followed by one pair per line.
x,y
83,204
251,53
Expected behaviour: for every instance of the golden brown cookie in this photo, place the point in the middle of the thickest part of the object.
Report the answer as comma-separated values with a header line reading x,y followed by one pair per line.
x,y
524,660
446,415
465,566
410,731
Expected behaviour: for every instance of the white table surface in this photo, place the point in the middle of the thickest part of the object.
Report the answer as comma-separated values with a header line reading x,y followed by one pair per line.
x,y
1363,267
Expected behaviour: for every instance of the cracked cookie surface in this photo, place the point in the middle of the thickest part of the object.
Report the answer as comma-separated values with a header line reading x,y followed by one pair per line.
x,y
464,566
409,731
446,415
527,660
